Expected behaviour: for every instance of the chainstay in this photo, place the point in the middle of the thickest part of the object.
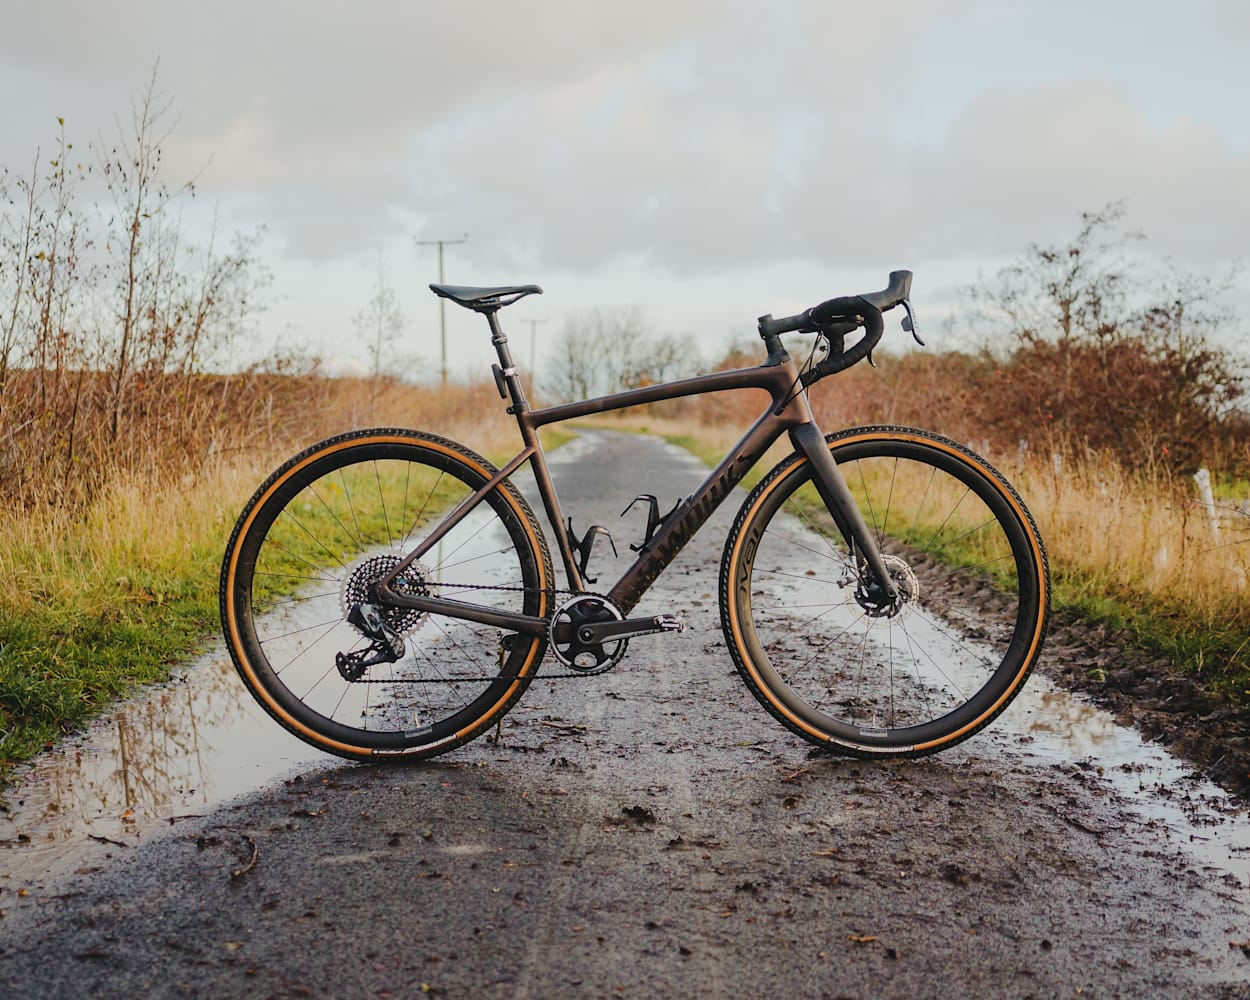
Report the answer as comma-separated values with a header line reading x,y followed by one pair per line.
x,y
550,591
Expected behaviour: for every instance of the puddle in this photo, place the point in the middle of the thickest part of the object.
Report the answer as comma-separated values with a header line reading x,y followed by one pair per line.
x,y
184,748
1053,726
1045,725
200,740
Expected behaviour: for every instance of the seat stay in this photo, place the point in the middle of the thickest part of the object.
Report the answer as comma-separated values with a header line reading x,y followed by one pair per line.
x,y
458,514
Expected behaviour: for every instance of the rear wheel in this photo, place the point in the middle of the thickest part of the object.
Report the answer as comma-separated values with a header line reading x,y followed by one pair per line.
x,y
301,616
845,669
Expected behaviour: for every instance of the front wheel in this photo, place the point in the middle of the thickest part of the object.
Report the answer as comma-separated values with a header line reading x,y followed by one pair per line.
x,y
855,674
302,617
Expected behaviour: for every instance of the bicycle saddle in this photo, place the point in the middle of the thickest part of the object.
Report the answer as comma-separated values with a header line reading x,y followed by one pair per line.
x,y
485,299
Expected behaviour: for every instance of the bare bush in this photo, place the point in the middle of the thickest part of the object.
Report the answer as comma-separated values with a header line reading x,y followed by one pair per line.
x,y
1106,354
109,323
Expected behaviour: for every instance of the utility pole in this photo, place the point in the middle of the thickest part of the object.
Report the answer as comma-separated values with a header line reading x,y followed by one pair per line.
x,y
533,323
442,302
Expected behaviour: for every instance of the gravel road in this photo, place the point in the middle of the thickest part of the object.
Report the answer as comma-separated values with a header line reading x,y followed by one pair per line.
x,y
649,832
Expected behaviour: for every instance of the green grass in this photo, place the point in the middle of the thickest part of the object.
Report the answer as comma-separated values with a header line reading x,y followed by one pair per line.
x,y
64,657
1212,648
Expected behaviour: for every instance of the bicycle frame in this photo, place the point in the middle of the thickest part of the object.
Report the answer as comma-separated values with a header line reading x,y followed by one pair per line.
x,y
788,412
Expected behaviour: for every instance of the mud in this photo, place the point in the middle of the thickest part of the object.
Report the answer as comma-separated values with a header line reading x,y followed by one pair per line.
x,y
1150,695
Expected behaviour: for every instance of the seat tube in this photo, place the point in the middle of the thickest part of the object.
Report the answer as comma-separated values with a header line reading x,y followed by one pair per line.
x,y
834,491
538,463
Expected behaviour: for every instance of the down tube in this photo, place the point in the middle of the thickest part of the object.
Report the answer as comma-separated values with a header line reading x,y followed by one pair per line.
x,y
694,511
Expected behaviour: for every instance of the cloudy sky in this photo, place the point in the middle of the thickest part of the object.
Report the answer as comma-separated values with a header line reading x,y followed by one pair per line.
x,y
706,161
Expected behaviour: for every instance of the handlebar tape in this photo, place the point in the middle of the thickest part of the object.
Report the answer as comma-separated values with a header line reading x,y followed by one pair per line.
x,y
874,326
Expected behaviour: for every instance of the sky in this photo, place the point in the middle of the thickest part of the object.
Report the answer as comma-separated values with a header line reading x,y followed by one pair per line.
x,y
706,162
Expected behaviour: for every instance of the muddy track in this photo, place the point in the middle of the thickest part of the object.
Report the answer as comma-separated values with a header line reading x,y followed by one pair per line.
x,y
652,832
1149,694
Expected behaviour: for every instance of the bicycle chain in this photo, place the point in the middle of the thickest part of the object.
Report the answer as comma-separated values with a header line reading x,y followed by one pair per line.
x,y
552,591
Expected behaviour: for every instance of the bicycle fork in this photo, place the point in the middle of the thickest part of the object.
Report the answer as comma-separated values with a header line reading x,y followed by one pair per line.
x,y
836,494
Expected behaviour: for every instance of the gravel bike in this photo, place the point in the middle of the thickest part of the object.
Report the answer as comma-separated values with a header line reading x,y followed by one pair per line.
x,y
883,590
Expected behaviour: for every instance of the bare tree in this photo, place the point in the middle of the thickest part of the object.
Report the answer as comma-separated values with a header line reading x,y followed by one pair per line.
x,y
602,350
131,170
380,323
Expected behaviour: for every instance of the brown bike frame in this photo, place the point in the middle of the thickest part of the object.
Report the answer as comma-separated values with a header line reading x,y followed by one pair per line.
x,y
787,412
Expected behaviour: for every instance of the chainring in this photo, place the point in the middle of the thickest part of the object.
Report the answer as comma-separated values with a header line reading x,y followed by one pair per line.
x,y
576,654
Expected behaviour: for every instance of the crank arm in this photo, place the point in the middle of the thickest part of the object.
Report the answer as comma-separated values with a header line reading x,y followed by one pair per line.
x,y
599,632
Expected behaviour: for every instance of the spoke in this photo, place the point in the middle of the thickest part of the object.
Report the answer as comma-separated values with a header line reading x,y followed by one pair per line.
x,y
801,514
420,517
346,530
795,576
330,622
291,662
347,495
920,683
286,512
833,555
889,500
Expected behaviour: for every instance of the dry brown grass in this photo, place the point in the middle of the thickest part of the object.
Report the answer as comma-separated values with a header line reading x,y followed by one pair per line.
x,y
1137,533
146,518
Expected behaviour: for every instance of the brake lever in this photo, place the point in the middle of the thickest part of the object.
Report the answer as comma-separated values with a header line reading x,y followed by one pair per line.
x,y
909,322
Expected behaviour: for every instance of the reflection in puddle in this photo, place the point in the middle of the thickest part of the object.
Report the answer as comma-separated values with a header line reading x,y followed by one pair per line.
x,y
1053,726
182,749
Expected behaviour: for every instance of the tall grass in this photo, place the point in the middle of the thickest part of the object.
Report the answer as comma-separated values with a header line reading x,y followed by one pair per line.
x,y
1136,551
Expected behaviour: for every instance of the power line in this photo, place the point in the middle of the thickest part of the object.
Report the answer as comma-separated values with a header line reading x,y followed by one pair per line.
x,y
533,323
442,302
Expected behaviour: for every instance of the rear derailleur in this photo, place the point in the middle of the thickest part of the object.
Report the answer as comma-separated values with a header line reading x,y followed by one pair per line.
x,y
385,646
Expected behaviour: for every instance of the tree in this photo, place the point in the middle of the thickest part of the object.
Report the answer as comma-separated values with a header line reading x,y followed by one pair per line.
x,y
605,350
380,323
1103,351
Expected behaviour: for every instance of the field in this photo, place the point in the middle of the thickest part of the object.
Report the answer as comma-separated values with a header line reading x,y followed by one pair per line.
x,y
100,597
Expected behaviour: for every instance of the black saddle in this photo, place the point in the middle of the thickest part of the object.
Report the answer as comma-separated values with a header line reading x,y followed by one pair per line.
x,y
485,300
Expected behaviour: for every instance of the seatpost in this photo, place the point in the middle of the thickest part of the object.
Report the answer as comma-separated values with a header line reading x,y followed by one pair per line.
x,y
506,371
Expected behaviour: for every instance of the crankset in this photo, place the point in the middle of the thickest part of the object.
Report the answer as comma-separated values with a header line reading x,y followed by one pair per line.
x,y
590,635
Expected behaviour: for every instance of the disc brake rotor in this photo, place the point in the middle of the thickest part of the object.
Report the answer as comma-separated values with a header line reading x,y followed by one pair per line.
x,y
904,579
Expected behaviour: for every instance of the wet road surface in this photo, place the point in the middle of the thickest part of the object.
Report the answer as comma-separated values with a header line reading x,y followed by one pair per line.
x,y
647,832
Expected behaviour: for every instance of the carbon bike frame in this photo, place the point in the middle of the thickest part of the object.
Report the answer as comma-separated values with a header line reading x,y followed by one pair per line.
x,y
787,412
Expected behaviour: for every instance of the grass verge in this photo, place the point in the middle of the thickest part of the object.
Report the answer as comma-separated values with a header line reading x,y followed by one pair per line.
x,y
95,605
